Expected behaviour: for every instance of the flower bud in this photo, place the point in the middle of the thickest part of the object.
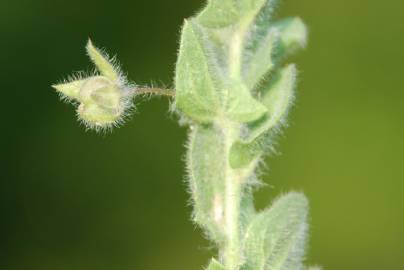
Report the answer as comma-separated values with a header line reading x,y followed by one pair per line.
x,y
102,98
101,102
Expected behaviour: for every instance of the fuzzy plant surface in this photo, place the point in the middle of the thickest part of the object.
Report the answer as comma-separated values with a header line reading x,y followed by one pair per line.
x,y
233,89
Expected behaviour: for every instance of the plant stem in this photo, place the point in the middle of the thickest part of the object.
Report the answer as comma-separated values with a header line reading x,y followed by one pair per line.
x,y
232,251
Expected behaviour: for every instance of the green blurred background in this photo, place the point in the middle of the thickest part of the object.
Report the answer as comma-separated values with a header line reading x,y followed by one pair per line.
x,y
71,199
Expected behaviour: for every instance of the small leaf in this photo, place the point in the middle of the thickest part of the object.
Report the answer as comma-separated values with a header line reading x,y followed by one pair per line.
x,y
293,35
314,268
275,238
260,60
206,161
277,97
196,76
101,61
242,106
218,13
215,265
253,10
242,154
71,89
247,208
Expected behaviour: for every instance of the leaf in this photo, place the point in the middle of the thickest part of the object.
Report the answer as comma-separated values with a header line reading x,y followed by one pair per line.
x,y
196,76
277,97
256,21
206,170
314,268
260,60
293,35
218,13
71,89
241,106
101,61
215,265
241,154
222,13
247,208
275,238
253,10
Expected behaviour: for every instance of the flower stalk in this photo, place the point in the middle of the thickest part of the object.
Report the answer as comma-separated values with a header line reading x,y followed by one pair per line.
x,y
154,91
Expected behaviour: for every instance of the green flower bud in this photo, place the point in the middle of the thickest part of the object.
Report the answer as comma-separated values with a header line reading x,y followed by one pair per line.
x,y
102,102
103,99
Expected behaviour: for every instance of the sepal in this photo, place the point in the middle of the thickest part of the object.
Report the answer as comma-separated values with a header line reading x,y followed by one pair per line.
x,y
104,65
69,90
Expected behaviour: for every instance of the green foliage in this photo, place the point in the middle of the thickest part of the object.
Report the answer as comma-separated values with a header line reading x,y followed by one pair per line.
x,y
202,90
215,265
219,13
293,35
206,178
313,268
275,238
196,85
277,96
234,92
260,60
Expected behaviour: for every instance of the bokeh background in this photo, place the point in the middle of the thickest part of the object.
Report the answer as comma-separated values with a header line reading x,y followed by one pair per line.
x,y
71,199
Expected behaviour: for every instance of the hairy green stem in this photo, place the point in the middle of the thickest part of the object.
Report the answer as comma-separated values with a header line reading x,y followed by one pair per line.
x,y
231,253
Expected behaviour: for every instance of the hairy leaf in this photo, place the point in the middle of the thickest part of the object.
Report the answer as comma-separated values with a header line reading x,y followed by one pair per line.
x,y
215,265
259,61
256,23
247,208
275,238
253,11
218,13
278,96
314,268
241,106
197,75
241,154
293,35
206,171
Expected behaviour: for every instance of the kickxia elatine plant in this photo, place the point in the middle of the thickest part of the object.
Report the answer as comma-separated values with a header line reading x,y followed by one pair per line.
x,y
233,90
